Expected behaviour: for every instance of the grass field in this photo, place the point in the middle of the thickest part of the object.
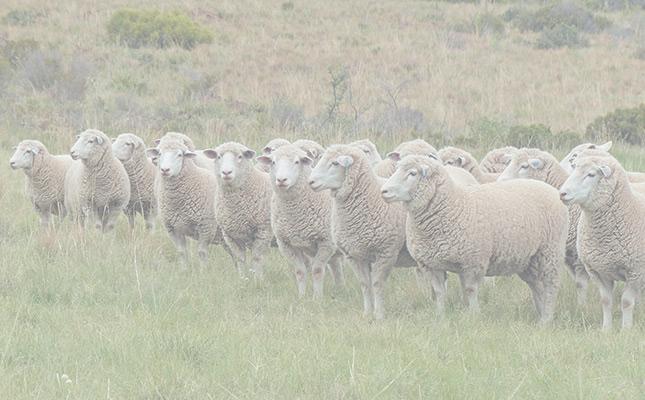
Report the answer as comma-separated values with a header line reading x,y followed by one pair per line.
x,y
91,316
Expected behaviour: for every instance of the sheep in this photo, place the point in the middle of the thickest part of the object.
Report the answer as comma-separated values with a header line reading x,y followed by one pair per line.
x,y
98,186
542,166
300,218
387,167
590,148
313,149
271,146
200,160
370,232
611,233
243,204
45,176
186,196
461,158
131,151
517,227
496,160
369,149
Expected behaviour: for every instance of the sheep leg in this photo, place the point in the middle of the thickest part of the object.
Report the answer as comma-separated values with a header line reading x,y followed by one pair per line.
x,y
581,278
336,267
606,289
150,220
110,217
180,242
45,216
470,281
130,214
202,248
297,259
438,282
362,271
627,302
318,264
380,272
259,249
237,254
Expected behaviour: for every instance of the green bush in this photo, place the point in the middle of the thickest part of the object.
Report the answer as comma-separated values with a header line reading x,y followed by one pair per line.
x,y
561,36
141,28
549,17
624,125
529,136
16,51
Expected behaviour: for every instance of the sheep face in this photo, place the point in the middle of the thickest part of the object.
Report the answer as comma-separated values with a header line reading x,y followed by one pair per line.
x,y
456,158
413,173
570,159
285,166
171,160
330,171
369,148
124,146
232,163
273,145
592,181
23,157
526,164
88,143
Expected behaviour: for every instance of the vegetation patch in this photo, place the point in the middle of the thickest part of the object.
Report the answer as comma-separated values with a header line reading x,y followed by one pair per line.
x,y
144,28
624,125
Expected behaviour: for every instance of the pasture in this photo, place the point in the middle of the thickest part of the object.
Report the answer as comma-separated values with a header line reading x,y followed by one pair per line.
x,y
115,316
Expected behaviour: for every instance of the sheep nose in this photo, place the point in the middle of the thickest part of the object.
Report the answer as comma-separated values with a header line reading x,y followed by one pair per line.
x,y
12,164
311,182
281,180
384,191
165,170
227,173
563,195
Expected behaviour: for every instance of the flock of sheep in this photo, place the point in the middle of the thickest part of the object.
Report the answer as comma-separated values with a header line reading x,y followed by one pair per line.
x,y
439,211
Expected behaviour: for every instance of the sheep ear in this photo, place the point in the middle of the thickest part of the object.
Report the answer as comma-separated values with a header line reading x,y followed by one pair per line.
x,y
460,161
345,161
506,158
311,155
394,156
306,160
210,153
424,171
433,156
190,154
266,160
156,142
606,146
99,140
248,154
536,163
605,171
152,152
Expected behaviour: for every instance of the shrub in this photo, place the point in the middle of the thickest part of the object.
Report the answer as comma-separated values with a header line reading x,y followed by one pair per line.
x,y
21,17
141,28
42,68
529,136
16,51
561,36
625,125
549,17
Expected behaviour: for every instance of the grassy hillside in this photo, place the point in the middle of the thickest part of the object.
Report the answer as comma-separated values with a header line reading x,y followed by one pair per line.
x,y
114,316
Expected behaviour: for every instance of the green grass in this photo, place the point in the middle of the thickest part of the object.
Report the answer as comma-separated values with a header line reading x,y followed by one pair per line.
x,y
119,316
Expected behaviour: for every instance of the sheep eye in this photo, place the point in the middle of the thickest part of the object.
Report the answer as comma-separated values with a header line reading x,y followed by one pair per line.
x,y
524,166
591,175
272,162
297,162
335,163
412,173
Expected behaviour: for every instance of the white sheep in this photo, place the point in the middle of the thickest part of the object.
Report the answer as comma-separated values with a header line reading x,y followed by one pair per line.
x,y
45,178
419,147
370,150
611,233
496,160
460,158
590,148
98,186
313,149
270,147
517,227
370,232
131,151
301,218
186,196
542,166
199,160
243,204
